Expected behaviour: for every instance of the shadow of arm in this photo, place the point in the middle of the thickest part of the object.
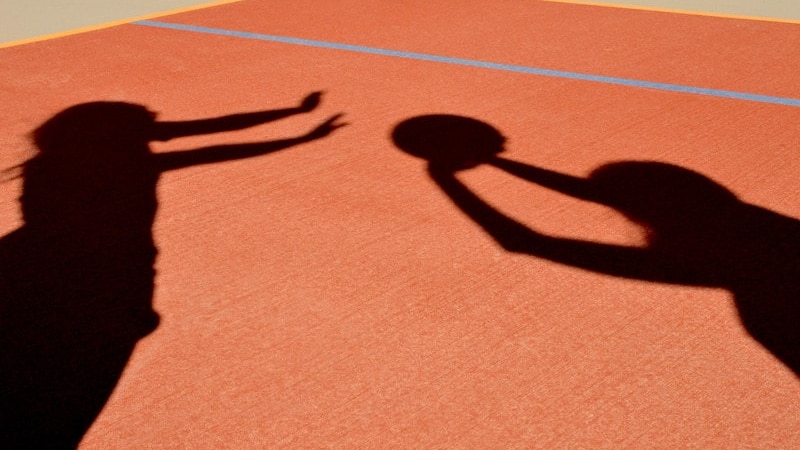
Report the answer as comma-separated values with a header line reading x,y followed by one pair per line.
x,y
631,262
171,130
559,182
165,131
221,153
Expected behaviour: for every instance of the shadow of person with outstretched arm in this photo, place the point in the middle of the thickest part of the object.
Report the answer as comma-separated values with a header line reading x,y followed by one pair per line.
x,y
698,232
76,280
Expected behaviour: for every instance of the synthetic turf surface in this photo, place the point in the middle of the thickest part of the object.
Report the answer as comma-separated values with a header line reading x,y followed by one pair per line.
x,y
330,295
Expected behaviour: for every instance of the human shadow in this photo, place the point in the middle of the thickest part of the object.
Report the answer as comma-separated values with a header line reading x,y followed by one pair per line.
x,y
77,279
698,232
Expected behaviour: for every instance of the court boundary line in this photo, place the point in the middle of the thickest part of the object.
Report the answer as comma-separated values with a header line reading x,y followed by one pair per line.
x,y
628,82
688,12
113,23
86,29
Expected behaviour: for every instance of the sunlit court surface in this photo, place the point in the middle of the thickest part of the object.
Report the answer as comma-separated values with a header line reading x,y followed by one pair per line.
x,y
367,224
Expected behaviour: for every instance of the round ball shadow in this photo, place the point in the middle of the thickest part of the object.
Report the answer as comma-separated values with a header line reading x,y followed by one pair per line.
x,y
450,141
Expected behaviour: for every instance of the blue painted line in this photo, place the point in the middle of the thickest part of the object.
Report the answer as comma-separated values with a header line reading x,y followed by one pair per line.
x,y
482,64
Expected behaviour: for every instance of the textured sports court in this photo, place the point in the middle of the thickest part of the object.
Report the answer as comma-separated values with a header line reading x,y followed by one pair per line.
x,y
506,224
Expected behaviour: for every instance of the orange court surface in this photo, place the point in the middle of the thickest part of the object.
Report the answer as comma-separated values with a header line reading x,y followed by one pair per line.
x,y
625,274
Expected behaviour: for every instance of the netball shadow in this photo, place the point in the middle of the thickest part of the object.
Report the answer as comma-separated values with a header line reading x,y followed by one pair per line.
x,y
698,232
76,280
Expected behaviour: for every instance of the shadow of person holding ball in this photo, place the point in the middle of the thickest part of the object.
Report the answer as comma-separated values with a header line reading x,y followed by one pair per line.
x,y
698,232
76,280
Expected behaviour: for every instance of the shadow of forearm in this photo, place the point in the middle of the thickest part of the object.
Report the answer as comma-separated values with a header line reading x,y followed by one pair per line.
x,y
222,153
633,262
559,182
171,130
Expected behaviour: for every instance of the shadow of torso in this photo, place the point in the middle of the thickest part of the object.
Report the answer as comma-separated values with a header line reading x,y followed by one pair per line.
x,y
757,258
76,283
701,234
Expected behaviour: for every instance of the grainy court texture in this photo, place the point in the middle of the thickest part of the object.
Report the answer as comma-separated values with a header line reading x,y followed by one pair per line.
x,y
359,224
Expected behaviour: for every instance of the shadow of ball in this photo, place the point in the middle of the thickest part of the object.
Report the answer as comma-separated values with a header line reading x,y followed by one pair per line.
x,y
448,140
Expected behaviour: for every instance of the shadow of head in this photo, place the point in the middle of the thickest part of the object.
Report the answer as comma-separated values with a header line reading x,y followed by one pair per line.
x,y
92,158
661,195
448,141
89,126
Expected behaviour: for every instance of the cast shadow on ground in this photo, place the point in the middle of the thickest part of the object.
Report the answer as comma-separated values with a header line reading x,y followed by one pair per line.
x,y
698,232
76,280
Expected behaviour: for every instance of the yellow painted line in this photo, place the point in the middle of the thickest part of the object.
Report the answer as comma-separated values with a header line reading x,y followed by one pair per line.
x,y
677,11
115,23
